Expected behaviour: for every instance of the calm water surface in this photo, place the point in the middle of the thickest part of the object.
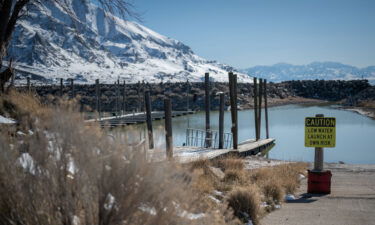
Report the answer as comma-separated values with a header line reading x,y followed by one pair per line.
x,y
355,134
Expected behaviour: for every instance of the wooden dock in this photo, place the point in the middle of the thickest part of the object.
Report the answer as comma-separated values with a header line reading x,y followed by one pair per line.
x,y
189,154
134,118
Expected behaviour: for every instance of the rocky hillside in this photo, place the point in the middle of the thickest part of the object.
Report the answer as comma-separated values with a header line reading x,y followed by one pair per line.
x,y
49,44
285,92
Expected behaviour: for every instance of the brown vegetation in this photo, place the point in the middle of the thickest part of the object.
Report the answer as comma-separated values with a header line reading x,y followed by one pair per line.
x,y
244,190
59,171
55,170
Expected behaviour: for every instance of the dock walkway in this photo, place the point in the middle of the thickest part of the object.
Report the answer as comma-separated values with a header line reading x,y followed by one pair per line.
x,y
187,154
134,118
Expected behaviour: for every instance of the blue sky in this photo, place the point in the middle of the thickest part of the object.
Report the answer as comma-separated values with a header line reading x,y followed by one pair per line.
x,y
244,33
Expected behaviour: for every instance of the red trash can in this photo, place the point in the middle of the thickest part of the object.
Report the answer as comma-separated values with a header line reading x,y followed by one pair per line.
x,y
319,182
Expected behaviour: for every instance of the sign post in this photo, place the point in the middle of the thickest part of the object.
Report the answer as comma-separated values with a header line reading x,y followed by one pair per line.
x,y
320,132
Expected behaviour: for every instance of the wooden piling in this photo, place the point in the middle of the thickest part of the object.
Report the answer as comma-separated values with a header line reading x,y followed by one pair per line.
x,y
97,95
266,107
138,93
207,109
28,84
149,120
72,87
187,95
256,108
235,129
117,85
124,98
61,86
233,107
168,128
221,121
260,87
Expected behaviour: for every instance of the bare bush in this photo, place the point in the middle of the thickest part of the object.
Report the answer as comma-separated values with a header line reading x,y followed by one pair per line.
x,y
60,171
245,202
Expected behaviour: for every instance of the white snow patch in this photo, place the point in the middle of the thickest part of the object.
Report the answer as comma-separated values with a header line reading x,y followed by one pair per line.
x,y
148,209
27,162
192,216
290,197
4,120
109,202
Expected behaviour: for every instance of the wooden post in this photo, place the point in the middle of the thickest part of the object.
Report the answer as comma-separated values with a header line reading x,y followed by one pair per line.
x,y
61,87
221,121
233,107
97,95
168,127
207,104
187,95
260,106
266,107
319,157
256,108
28,84
117,85
138,93
124,99
149,120
235,129
72,87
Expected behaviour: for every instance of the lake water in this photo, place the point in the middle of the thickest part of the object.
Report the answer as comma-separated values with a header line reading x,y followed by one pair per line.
x,y
355,134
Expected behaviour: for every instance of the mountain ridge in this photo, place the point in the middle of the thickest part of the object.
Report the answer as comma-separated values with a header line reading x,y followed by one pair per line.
x,y
326,70
86,45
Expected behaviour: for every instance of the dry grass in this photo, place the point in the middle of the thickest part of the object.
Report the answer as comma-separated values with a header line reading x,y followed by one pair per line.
x,y
230,163
245,202
111,181
267,184
273,191
65,172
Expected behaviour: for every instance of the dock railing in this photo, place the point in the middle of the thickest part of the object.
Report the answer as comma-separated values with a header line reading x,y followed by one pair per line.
x,y
198,138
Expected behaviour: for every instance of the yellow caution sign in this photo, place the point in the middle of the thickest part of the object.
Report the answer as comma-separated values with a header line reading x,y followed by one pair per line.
x,y
320,132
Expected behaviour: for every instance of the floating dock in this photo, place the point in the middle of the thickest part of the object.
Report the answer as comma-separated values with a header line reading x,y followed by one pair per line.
x,y
187,154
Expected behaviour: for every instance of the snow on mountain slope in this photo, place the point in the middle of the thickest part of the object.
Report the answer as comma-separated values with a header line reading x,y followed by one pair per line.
x,y
49,44
317,70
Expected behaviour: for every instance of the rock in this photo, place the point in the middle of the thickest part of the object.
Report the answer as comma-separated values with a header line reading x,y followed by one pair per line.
x,y
217,172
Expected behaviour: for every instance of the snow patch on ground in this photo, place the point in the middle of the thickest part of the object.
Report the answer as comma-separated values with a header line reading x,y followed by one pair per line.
x,y
4,120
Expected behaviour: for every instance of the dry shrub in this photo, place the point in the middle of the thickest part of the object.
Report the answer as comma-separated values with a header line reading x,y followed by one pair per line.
x,y
231,163
65,172
284,175
235,177
199,164
272,191
203,181
245,202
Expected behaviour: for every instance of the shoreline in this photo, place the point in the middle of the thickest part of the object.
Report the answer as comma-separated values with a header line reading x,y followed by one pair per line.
x,y
274,102
368,112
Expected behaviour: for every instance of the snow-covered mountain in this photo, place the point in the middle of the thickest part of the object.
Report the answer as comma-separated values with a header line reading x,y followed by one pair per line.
x,y
317,70
49,44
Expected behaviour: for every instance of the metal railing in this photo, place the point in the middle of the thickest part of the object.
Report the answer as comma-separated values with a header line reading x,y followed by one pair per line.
x,y
197,138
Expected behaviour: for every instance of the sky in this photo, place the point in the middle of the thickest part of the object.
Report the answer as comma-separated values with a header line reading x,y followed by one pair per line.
x,y
245,33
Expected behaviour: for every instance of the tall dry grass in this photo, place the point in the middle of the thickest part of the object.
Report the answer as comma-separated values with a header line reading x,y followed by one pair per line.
x,y
60,171
243,189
